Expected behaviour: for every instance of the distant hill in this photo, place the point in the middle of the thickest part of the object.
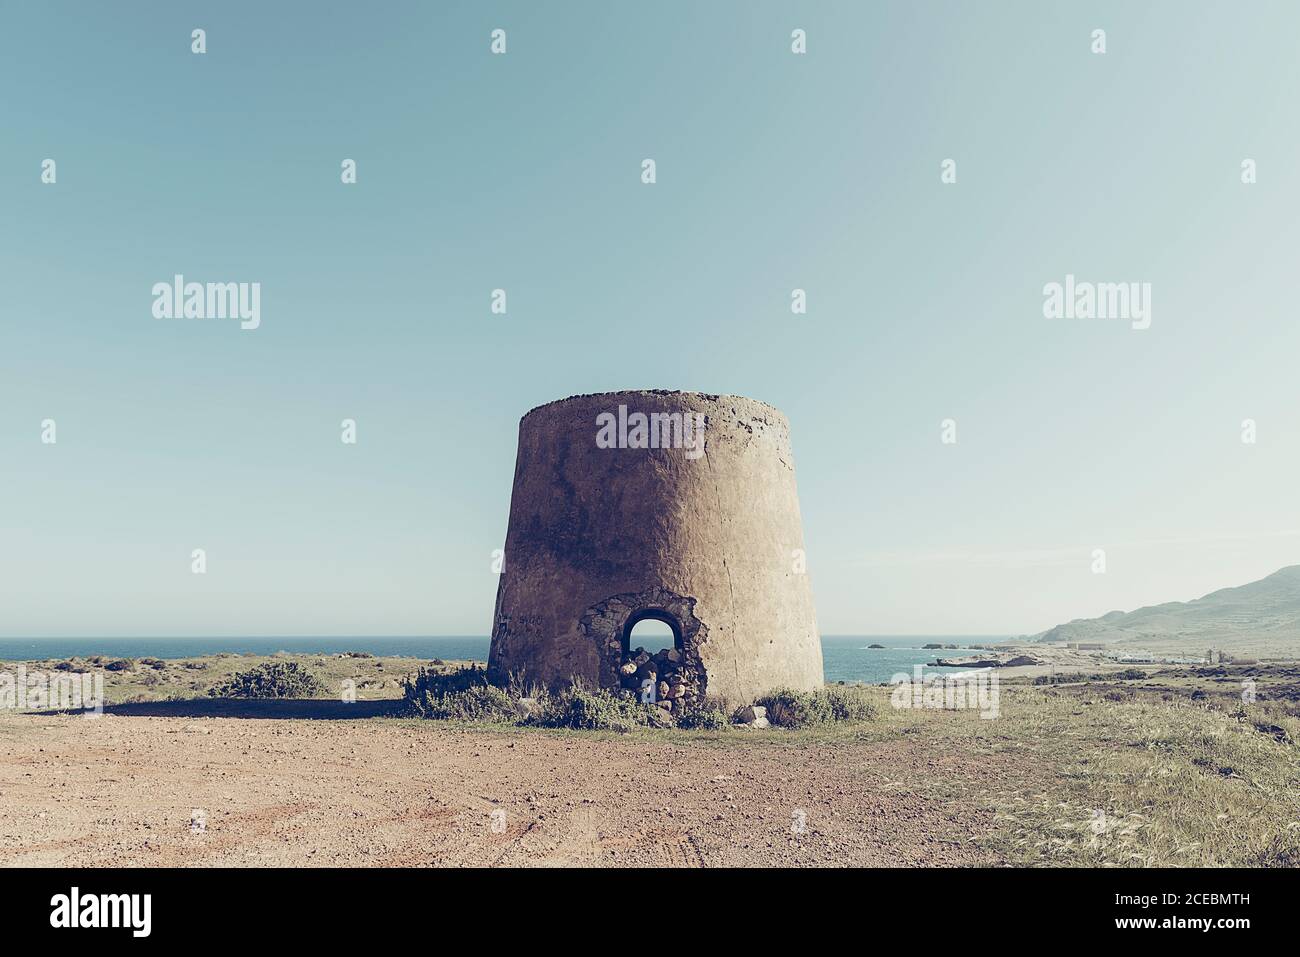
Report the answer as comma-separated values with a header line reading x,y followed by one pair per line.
x,y
1260,618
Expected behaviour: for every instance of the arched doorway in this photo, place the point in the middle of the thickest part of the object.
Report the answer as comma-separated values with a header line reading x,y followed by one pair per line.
x,y
678,667
653,630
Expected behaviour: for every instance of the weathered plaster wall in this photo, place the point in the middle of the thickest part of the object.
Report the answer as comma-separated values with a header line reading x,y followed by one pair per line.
x,y
598,534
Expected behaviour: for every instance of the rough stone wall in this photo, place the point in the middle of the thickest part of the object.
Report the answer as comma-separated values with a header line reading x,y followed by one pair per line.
x,y
598,535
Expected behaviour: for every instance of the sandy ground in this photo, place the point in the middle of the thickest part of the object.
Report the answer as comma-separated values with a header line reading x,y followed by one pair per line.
x,y
121,791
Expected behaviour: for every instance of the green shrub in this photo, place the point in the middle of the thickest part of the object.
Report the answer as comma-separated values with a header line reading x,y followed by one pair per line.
x,y
432,683
788,708
463,695
705,717
850,704
121,664
275,679
584,710
484,703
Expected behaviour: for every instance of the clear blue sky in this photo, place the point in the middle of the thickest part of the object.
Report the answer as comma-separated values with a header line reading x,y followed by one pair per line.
x,y
521,171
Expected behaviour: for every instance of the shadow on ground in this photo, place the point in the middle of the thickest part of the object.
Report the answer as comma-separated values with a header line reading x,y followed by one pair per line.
x,y
311,708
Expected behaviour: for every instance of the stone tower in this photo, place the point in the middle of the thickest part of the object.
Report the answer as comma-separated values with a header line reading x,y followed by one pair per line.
x,y
677,506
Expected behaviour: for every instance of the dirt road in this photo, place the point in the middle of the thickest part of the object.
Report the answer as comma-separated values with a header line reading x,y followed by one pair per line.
x,y
122,791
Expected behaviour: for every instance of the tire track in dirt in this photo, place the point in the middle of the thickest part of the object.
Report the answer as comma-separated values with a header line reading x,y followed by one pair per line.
x,y
493,851
577,843
680,850
235,832
430,825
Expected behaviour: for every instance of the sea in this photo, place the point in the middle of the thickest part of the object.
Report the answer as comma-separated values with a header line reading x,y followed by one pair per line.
x,y
847,658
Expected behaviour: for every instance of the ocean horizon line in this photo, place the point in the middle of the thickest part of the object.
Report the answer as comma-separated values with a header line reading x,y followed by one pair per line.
x,y
460,637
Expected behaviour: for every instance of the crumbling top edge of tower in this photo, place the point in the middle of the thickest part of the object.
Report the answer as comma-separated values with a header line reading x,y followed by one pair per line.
x,y
708,396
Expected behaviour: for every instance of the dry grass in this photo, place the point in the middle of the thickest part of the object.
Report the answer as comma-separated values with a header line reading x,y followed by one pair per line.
x,y
1140,782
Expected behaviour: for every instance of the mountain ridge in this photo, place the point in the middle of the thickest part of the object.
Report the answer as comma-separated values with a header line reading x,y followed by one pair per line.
x,y
1261,616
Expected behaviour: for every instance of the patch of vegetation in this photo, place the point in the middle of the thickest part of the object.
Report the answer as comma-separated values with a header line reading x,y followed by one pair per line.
x,y
705,717
584,710
463,694
1279,850
430,682
788,708
1147,781
484,703
850,704
275,679
1080,677
121,664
